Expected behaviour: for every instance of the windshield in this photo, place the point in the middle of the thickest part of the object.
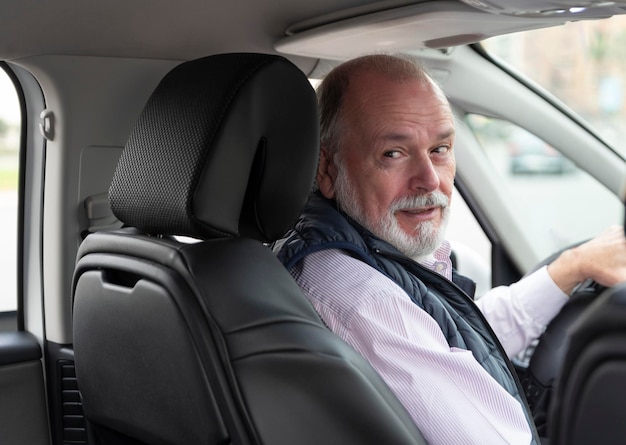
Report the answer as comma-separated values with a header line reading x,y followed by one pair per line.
x,y
583,64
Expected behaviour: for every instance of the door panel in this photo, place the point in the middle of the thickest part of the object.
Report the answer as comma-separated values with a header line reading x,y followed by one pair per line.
x,y
23,413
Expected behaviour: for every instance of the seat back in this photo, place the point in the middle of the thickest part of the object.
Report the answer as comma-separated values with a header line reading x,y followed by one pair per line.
x,y
210,341
588,406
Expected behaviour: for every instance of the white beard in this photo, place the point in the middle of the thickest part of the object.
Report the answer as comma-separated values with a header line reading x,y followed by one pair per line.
x,y
426,238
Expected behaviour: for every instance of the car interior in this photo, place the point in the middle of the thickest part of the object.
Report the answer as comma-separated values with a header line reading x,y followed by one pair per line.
x,y
160,147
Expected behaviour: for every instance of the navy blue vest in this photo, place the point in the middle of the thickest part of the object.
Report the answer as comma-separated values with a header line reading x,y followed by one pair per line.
x,y
322,226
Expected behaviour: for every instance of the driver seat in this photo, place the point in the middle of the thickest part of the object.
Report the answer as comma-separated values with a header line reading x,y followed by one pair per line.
x,y
590,399
206,338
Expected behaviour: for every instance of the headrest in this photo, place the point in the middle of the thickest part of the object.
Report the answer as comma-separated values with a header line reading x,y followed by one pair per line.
x,y
227,145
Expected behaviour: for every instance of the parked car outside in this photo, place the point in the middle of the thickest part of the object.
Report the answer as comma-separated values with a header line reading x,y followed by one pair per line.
x,y
530,154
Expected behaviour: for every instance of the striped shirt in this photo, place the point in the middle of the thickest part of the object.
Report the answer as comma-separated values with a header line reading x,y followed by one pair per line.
x,y
449,395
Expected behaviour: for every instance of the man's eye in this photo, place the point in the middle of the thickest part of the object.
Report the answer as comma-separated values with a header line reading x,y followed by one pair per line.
x,y
391,154
442,149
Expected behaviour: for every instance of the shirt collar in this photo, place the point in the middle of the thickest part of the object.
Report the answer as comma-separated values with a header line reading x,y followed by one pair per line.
x,y
439,261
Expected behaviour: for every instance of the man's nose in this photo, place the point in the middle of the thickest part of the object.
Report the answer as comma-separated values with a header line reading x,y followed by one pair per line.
x,y
424,177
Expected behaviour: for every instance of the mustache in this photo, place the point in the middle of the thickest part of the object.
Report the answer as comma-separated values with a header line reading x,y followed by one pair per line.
x,y
433,199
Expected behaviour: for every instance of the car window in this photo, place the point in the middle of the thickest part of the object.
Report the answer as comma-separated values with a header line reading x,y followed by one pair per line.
x,y
550,192
582,63
9,168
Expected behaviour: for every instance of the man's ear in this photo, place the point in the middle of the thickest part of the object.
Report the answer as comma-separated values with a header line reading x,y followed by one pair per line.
x,y
326,174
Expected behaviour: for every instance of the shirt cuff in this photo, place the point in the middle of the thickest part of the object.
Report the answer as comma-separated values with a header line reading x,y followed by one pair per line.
x,y
544,299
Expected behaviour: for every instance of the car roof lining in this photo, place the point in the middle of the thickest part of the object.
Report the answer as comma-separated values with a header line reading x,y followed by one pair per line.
x,y
185,30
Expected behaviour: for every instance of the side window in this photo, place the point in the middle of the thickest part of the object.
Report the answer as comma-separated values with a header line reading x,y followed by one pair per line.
x,y
9,171
548,189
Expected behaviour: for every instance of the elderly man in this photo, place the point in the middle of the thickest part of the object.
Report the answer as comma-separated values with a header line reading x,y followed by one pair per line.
x,y
385,178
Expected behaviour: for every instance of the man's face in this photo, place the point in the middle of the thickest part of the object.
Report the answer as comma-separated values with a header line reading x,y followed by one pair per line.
x,y
396,167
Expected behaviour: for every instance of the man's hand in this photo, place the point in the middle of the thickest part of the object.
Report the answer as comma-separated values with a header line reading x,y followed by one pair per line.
x,y
602,259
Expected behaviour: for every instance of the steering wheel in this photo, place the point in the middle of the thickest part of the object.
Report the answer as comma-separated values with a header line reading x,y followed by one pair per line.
x,y
545,364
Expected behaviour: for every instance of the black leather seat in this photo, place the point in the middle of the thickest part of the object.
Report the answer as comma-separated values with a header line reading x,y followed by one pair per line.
x,y
212,342
589,405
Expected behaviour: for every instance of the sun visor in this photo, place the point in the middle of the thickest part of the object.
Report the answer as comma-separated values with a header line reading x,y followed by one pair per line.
x,y
568,9
425,25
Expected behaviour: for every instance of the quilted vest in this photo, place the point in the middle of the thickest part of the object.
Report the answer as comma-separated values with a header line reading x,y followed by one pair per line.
x,y
323,226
